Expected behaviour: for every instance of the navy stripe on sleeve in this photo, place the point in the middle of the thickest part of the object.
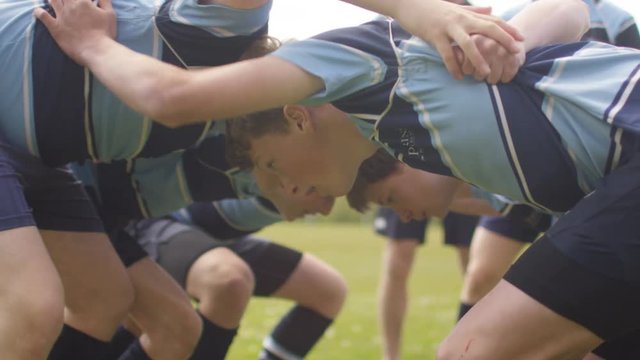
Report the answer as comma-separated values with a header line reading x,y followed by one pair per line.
x,y
58,101
535,150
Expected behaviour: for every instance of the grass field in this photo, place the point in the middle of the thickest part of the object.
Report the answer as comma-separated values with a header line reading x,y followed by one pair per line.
x,y
355,251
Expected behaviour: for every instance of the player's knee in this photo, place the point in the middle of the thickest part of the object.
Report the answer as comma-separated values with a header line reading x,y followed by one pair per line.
x,y
42,313
231,278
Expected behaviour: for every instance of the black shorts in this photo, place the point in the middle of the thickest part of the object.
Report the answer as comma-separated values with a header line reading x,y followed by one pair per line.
x,y
458,229
32,193
587,266
510,228
271,264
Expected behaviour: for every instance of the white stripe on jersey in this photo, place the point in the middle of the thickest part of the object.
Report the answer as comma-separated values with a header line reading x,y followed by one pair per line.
x,y
26,88
625,96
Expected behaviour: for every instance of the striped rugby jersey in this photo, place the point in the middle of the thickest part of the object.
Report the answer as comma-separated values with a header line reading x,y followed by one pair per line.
x,y
546,139
55,109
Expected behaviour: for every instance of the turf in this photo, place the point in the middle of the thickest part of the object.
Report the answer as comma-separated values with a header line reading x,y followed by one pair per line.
x,y
355,251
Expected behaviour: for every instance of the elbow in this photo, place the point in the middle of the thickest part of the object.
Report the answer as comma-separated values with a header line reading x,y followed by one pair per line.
x,y
163,108
578,10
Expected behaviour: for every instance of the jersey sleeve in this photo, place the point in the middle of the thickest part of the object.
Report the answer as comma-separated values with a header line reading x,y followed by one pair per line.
x,y
221,21
229,218
344,70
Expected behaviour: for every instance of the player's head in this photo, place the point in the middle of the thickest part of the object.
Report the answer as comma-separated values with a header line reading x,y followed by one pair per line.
x,y
385,181
291,206
309,148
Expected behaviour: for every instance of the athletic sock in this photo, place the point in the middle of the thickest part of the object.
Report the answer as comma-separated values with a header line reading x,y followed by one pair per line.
x,y
214,341
119,343
464,308
134,352
73,344
295,335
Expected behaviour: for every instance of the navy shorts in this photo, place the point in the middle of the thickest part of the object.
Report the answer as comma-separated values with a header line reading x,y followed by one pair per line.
x,y
32,193
510,228
587,266
458,229
271,264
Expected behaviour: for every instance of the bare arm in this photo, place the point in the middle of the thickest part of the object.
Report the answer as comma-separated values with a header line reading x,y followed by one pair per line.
x,y
166,93
442,23
465,203
564,21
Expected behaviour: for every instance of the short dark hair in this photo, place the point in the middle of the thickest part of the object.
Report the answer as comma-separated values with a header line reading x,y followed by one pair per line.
x,y
376,168
242,129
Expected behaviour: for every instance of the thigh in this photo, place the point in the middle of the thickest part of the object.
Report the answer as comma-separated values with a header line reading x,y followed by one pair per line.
x,y
178,253
272,264
509,324
157,295
491,250
88,266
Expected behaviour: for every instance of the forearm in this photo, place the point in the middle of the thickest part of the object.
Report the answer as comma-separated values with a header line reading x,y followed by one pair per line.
x,y
139,80
392,8
564,21
466,202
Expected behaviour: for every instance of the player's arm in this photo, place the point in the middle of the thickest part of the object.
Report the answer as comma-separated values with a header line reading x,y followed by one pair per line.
x,y
564,21
166,93
467,202
546,22
443,24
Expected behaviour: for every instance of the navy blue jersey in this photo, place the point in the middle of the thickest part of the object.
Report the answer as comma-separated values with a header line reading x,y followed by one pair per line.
x,y
546,139
54,109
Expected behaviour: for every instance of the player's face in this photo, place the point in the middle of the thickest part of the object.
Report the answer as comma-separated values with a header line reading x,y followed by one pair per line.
x,y
291,206
413,194
309,158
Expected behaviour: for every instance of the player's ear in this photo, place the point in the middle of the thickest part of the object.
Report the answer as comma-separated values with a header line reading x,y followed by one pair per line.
x,y
298,117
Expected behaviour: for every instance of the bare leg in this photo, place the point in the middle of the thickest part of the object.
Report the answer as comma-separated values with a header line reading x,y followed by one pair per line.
x,y
393,293
32,296
171,328
508,324
97,290
315,285
223,284
491,256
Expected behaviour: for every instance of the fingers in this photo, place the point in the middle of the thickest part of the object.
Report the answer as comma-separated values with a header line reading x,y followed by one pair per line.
x,y
105,4
468,46
48,20
446,51
486,10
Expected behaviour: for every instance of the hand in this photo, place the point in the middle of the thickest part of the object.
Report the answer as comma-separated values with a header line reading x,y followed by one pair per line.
x,y
503,64
78,25
445,25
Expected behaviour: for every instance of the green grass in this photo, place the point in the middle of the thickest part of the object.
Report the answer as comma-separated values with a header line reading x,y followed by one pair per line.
x,y
356,251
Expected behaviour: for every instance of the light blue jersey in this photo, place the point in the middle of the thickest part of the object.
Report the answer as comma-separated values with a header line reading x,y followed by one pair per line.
x,y
545,139
54,109
153,187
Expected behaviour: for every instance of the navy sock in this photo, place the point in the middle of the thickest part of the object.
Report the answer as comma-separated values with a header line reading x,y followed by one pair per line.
x,y
295,334
464,308
214,341
134,352
119,343
73,344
